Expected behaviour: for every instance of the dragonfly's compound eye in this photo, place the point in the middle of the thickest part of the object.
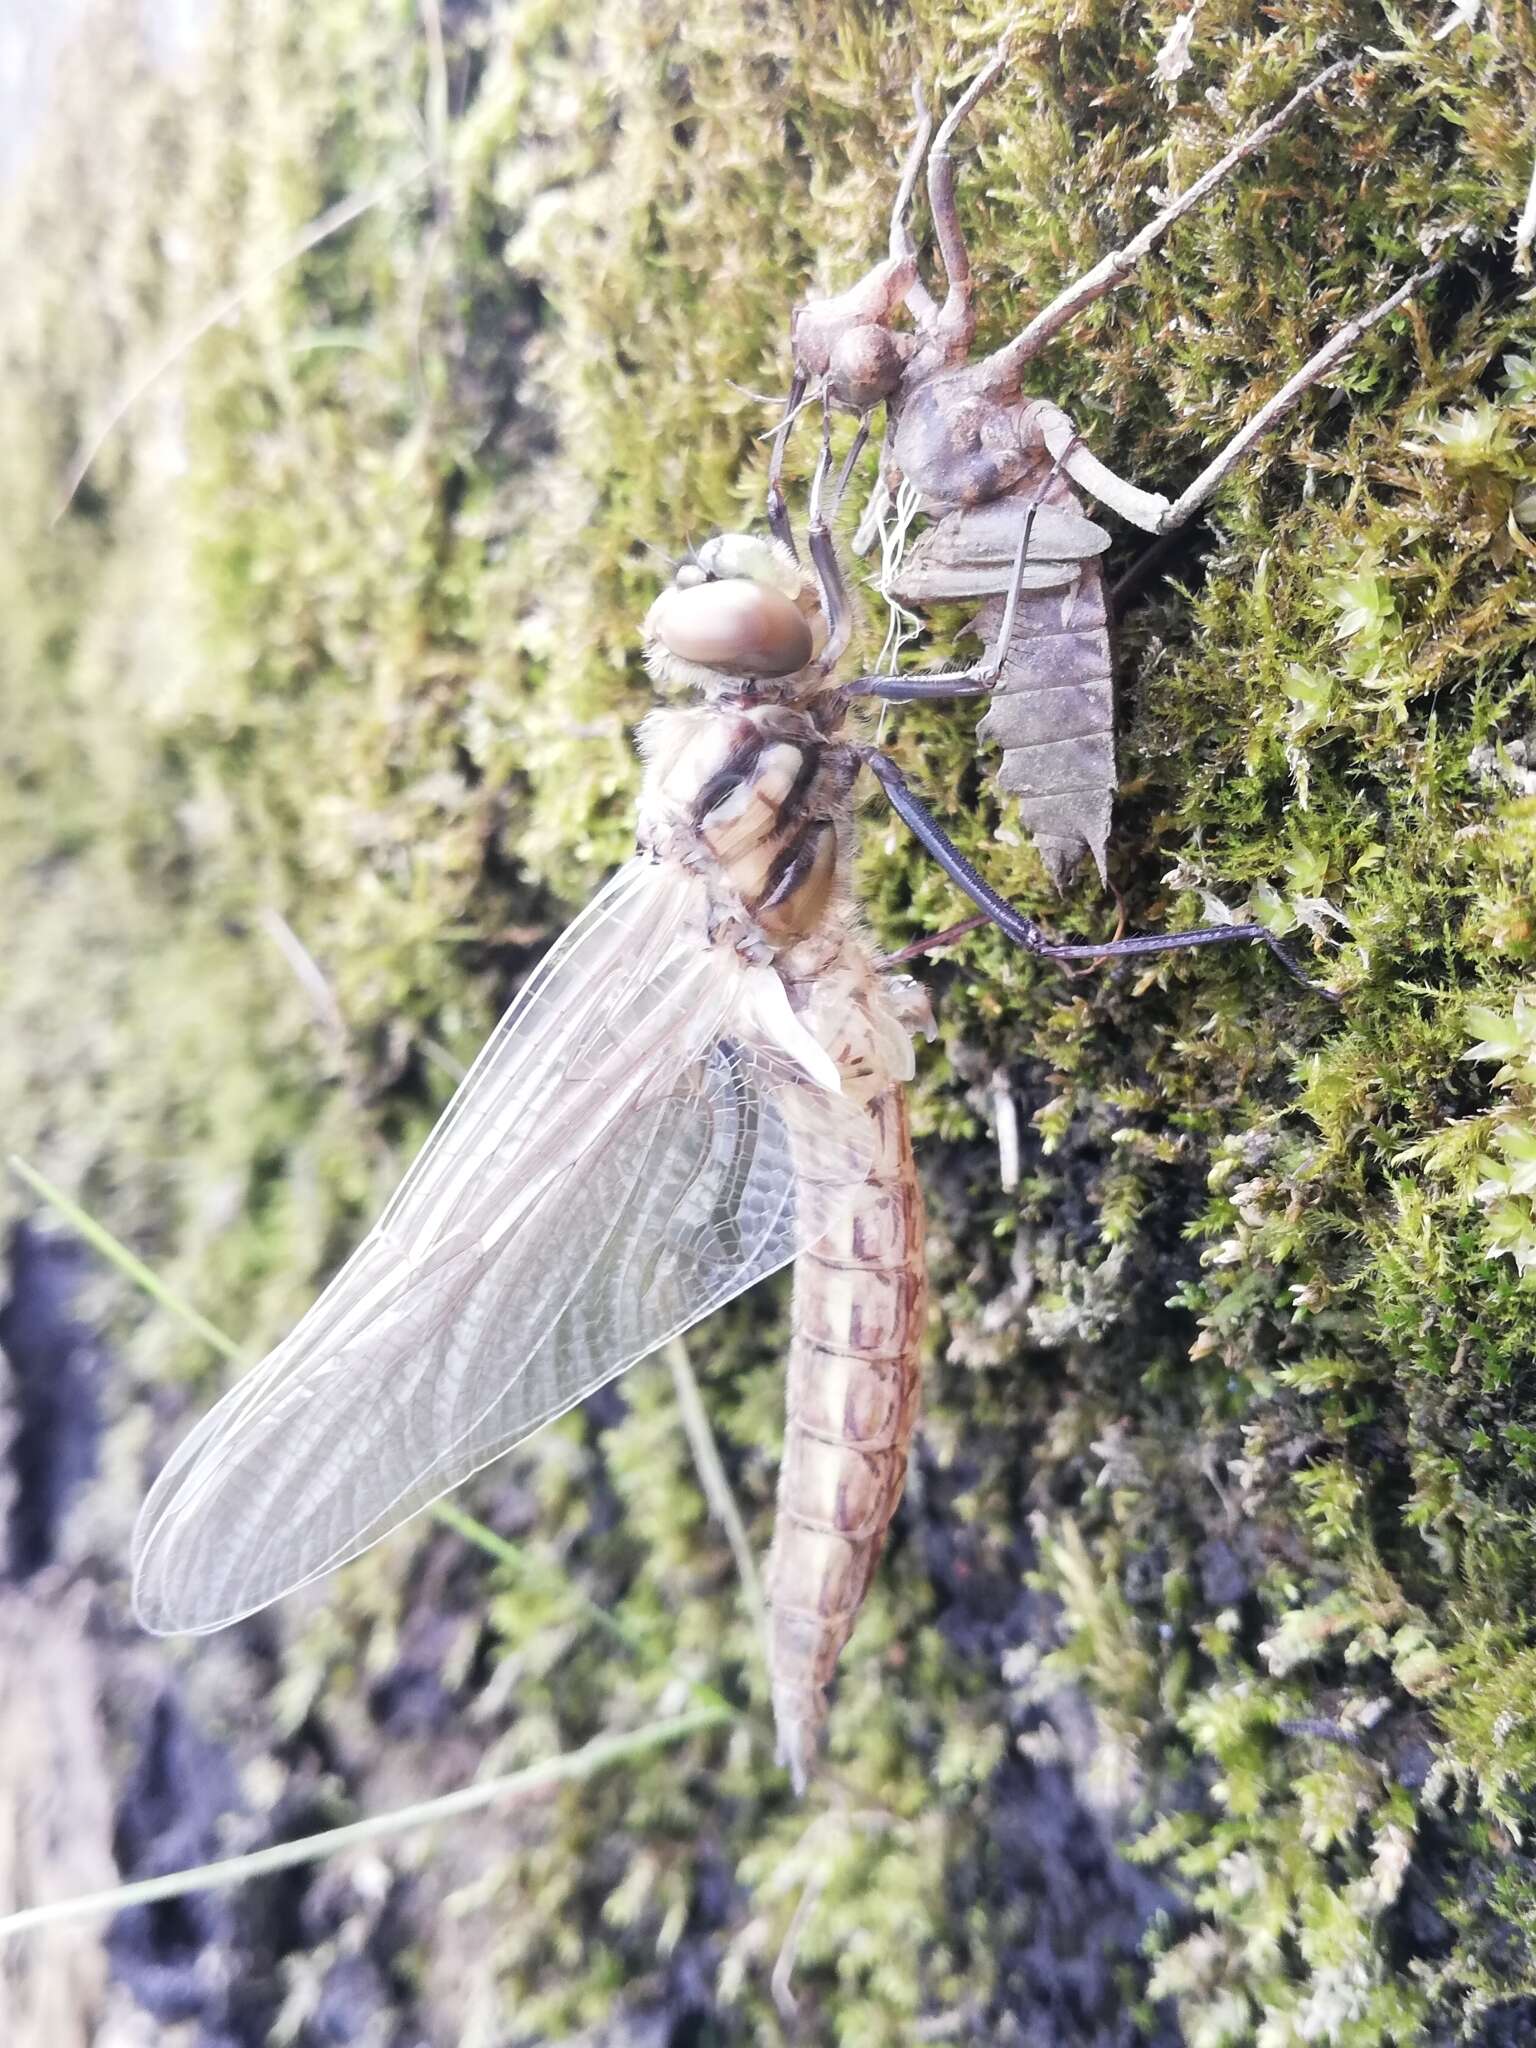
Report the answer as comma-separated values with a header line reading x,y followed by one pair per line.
x,y
735,626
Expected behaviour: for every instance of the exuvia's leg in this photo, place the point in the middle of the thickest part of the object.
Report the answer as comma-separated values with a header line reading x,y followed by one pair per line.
x,y
1023,930
1008,362
855,450
1189,501
919,300
1338,345
872,517
955,327
1150,510
778,510
980,677
1146,509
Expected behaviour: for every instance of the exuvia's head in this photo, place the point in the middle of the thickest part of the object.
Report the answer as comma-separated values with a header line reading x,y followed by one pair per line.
x,y
846,349
737,620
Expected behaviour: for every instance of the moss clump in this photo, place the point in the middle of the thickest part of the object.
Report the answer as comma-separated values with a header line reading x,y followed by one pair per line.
x,y
334,655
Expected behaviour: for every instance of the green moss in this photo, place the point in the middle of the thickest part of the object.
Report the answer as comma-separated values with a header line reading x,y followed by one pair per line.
x,y
338,642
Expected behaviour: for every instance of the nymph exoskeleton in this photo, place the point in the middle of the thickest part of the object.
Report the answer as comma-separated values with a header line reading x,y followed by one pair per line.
x,y
1000,476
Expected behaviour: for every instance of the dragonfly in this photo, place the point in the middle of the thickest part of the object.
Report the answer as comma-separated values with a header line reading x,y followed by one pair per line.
x,y
702,1083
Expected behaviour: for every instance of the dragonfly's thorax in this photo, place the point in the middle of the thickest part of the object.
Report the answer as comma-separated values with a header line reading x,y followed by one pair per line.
x,y
755,800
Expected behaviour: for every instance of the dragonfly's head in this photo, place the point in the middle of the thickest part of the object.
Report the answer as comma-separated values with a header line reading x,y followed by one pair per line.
x,y
739,619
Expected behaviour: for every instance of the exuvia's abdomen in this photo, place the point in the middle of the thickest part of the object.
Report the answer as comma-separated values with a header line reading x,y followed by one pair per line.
x,y
1052,709
860,1301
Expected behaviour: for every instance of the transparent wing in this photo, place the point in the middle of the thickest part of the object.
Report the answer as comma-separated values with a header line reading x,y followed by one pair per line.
x,y
632,1148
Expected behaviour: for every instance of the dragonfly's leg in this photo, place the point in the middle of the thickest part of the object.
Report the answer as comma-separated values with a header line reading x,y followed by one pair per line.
x,y
934,942
934,689
1023,930
1007,365
1338,345
955,326
778,510
835,605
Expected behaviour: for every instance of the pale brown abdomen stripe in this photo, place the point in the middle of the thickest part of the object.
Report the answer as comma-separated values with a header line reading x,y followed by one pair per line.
x,y
860,1298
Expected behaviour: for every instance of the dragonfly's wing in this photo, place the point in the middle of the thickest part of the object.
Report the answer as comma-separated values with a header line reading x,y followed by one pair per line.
x,y
644,1136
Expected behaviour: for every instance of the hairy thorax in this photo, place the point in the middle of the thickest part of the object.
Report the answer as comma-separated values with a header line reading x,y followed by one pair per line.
x,y
754,799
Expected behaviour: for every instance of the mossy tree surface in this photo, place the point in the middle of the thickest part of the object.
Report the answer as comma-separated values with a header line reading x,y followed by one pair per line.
x,y
336,650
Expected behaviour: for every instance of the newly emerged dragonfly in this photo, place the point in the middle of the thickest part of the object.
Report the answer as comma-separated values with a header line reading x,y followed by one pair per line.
x,y
702,1083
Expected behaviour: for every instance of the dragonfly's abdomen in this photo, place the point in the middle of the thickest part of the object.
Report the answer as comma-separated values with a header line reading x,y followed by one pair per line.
x,y
860,1295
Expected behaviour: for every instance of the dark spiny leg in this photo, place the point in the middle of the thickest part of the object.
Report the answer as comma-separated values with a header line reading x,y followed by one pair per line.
x,y
778,511
836,609
955,326
916,689
918,300
935,942
978,679
1023,930
1082,973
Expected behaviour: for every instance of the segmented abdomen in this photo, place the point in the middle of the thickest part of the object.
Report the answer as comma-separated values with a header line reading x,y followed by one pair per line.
x,y
860,1296
1053,715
